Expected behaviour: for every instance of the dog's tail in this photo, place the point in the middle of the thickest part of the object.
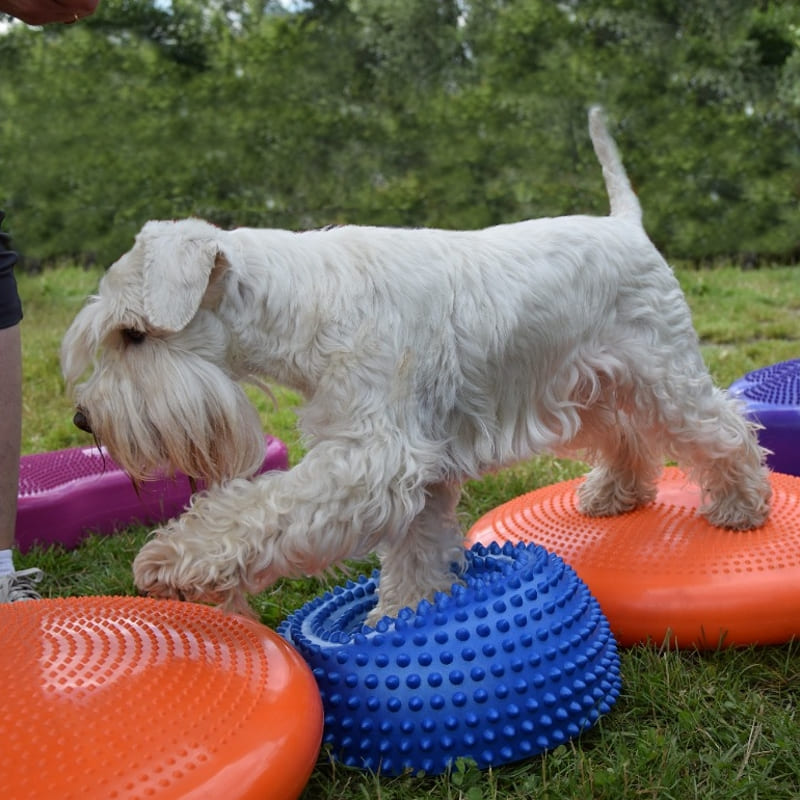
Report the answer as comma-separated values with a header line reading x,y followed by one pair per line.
x,y
624,202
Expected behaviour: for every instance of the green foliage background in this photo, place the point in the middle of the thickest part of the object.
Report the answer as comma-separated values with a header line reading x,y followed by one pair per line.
x,y
454,113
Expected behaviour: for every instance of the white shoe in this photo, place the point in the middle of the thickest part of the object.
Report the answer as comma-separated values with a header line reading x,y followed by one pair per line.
x,y
20,585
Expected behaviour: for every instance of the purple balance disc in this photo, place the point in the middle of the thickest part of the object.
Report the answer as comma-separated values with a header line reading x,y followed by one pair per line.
x,y
66,494
772,397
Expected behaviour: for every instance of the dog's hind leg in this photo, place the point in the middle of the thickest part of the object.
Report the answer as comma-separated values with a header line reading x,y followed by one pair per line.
x,y
425,559
627,468
719,448
687,419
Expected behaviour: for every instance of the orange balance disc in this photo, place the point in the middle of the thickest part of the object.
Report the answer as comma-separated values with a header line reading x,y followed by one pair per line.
x,y
662,571
122,697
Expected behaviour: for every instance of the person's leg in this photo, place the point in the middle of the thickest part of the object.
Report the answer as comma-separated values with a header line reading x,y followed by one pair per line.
x,y
14,585
10,432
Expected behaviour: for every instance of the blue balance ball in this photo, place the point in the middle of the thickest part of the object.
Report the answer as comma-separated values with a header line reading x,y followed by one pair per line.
x,y
771,395
516,661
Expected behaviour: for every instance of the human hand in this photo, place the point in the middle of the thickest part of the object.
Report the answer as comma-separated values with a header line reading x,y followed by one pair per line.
x,y
40,12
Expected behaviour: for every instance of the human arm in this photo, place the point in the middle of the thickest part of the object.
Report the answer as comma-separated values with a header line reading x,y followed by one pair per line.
x,y
41,12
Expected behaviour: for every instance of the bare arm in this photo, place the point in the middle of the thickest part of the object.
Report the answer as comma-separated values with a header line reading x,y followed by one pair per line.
x,y
41,12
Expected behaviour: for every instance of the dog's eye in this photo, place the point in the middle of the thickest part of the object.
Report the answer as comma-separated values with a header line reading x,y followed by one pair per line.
x,y
132,335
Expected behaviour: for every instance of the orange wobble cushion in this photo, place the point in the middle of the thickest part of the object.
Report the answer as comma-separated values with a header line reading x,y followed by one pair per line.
x,y
123,697
663,573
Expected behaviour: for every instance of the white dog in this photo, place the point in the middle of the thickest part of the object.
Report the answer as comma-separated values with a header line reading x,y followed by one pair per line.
x,y
426,357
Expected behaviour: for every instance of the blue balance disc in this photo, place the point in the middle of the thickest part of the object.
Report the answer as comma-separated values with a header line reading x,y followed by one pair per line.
x,y
514,662
772,397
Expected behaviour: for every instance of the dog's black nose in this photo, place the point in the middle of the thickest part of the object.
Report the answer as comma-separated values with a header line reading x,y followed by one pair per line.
x,y
80,421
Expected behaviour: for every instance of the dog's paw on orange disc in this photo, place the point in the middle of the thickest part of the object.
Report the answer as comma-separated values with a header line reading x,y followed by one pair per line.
x,y
663,573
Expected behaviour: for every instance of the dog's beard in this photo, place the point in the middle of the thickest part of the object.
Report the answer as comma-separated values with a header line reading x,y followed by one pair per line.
x,y
159,411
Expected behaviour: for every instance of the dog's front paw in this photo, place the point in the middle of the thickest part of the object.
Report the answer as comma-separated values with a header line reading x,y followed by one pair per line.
x,y
153,571
390,603
166,568
380,611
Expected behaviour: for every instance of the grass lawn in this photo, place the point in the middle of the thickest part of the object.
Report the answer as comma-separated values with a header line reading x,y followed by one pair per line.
x,y
707,725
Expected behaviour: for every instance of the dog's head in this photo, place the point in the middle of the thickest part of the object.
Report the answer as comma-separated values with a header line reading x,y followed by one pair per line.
x,y
163,393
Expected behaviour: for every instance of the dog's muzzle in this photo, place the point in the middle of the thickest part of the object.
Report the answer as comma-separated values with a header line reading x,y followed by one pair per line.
x,y
80,420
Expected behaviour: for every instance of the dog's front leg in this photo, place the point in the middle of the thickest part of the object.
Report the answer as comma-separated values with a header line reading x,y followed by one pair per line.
x,y
426,558
340,502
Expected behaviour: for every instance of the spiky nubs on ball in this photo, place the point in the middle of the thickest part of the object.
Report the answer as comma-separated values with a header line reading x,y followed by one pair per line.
x,y
515,661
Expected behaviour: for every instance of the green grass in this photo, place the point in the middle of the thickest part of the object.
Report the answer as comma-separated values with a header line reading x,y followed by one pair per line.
x,y
744,319
687,725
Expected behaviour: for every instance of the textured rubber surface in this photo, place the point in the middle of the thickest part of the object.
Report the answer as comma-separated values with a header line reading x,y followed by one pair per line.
x,y
121,697
516,661
772,396
664,571
64,494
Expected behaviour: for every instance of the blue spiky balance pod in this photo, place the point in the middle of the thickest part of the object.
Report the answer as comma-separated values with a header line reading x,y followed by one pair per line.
x,y
516,661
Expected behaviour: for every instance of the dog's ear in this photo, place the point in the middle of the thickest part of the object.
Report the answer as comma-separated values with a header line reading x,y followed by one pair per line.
x,y
183,262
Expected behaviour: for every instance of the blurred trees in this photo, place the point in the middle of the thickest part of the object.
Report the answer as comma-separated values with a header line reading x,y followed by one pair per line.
x,y
455,113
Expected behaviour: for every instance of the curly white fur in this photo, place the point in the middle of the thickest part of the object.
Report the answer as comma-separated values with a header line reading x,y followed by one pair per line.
x,y
426,357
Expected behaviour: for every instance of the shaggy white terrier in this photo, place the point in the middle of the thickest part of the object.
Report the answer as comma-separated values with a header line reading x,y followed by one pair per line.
x,y
426,357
